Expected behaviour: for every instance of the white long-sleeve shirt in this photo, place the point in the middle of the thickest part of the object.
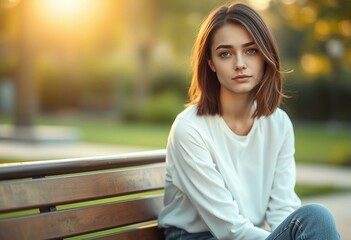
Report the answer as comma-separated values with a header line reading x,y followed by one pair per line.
x,y
228,184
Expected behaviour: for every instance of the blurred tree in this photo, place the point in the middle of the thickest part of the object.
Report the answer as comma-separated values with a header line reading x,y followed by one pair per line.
x,y
304,30
115,55
24,82
312,24
143,20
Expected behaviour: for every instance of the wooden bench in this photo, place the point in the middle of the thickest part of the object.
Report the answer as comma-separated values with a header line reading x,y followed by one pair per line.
x,y
111,197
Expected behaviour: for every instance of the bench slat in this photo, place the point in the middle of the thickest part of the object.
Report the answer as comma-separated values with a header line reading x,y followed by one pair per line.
x,y
34,193
76,165
150,233
53,185
80,221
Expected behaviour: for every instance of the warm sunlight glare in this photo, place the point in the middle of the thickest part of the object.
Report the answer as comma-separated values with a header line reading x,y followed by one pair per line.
x,y
288,2
65,7
260,5
65,12
9,3
67,16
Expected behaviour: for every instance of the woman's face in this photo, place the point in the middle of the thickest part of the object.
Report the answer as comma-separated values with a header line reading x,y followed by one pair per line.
x,y
236,59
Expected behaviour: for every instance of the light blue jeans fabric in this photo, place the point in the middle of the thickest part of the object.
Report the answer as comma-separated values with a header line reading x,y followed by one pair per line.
x,y
310,222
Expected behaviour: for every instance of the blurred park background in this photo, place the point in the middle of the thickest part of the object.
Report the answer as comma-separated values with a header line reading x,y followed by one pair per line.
x,y
117,71
92,77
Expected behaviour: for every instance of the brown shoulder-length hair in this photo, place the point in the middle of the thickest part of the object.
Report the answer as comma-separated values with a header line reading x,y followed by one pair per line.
x,y
205,87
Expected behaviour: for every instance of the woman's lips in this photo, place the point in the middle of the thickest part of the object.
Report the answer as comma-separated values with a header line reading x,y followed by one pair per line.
x,y
241,78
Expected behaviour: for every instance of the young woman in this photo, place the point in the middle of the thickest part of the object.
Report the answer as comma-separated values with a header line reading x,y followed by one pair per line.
x,y
230,153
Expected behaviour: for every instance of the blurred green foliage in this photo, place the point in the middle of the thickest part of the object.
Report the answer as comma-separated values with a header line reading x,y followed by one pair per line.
x,y
323,143
304,190
162,108
128,61
320,100
131,58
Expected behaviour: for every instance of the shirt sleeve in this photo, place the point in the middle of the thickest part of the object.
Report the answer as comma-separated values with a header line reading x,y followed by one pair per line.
x,y
283,199
196,175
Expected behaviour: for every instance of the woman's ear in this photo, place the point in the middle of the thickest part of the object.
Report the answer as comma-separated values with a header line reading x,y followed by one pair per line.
x,y
210,64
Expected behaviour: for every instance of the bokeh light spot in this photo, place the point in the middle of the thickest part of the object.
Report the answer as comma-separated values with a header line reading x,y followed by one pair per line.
x,y
315,64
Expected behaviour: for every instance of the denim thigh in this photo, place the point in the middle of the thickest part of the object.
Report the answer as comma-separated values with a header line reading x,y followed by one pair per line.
x,y
312,221
173,233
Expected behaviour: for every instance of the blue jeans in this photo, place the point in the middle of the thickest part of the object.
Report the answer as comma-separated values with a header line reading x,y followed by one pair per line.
x,y
310,222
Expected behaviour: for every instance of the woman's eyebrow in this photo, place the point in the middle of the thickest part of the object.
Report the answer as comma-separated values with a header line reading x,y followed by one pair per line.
x,y
224,46
248,44
231,46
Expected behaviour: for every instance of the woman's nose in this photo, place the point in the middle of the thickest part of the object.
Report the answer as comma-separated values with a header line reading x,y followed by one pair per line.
x,y
240,63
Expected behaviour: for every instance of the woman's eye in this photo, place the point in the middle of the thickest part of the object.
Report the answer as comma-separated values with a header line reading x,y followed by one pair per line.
x,y
251,51
225,54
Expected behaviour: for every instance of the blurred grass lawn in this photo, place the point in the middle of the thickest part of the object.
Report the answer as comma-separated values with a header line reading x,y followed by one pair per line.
x,y
325,144
315,143
106,131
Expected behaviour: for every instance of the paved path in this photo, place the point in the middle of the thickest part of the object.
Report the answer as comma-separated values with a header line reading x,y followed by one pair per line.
x,y
339,204
28,152
324,175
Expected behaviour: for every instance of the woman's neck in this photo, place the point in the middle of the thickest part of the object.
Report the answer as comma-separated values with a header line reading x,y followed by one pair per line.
x,y
237,111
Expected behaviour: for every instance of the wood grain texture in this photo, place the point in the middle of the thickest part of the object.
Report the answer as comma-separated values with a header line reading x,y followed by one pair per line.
x,y
80,221
45,192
